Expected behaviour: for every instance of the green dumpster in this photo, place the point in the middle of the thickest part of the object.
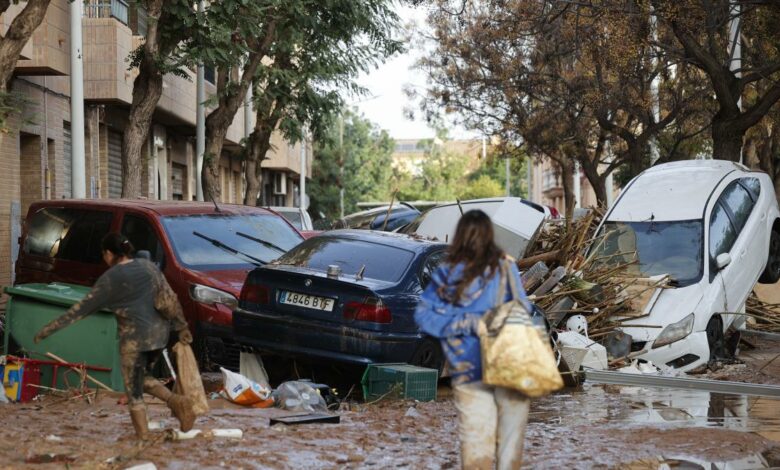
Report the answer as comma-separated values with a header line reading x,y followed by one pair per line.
x,y
92,340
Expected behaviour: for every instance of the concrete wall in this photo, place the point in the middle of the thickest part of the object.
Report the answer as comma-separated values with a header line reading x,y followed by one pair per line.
x,y
50,54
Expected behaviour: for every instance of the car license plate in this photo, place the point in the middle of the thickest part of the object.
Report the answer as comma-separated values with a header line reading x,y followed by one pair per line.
x,y
308,301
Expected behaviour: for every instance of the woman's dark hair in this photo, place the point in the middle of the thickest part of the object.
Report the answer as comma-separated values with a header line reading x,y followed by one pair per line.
x,y
118,245
473,245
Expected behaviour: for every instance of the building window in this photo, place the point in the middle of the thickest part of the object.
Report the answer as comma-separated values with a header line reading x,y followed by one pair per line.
x,y
210,75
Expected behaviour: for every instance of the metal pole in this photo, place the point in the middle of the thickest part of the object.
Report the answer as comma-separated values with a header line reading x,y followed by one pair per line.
x,y
577,186
508,180
200,123
341,165
529,176
302,186
78,168
714,386
609,183
735,64
655,100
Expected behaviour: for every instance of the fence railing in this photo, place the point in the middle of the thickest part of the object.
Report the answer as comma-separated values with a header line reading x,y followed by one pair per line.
x,y
106,9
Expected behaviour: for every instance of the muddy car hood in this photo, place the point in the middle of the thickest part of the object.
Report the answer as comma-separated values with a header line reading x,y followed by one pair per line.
x,y
671,306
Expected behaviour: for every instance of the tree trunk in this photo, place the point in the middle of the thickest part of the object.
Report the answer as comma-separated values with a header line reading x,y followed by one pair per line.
x,y
596,180
726,140
253,183
215,138
147,90
567,177
217,124
219,120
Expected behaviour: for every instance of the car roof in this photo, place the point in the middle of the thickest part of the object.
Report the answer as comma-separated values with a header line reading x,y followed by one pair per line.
x,y
400,240
283,208
162,208
380,210
672,191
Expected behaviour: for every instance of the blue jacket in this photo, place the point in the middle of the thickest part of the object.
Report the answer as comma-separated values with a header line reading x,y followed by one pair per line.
x,y
456,324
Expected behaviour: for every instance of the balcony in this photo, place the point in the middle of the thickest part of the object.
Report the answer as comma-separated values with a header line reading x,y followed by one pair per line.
x,y
48,51
117,9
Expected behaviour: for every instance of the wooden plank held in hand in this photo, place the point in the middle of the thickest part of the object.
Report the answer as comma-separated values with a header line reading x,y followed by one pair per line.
x,y
94,380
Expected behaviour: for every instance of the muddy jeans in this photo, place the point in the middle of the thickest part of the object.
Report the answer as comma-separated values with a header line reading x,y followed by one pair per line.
x,y
491,426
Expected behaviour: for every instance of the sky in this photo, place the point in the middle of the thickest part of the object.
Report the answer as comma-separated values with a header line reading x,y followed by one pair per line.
x,y
385,101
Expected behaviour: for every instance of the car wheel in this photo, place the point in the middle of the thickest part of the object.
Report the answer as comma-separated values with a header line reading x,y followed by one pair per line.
x,y
200,347
429,354
715,338
771,273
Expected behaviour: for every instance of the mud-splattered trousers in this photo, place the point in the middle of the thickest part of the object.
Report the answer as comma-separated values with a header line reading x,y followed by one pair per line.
x,y
146,308
491,426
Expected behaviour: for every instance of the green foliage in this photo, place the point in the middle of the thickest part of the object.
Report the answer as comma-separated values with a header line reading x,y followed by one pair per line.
x,y
440,178
445,176
482,187
495,168
11,103
367,154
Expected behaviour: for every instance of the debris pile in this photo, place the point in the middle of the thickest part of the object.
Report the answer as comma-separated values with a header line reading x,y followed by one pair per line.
x,y
587,296
564,281
762,316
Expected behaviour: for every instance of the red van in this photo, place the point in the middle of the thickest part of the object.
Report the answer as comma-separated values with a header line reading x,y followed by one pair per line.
x,y
204,250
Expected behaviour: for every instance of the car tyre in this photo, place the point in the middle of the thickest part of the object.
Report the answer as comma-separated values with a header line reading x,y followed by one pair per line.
x,y
771,273
430,355
715,338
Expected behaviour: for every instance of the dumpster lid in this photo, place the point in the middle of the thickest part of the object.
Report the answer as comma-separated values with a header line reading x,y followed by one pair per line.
x,y
56,293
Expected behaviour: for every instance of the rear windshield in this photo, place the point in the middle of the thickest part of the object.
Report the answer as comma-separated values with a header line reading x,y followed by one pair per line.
x,y
68,234
382,262
293,217
229,241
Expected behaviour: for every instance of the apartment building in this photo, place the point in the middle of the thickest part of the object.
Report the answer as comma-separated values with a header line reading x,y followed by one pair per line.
x,y
547,187
35,150
409,154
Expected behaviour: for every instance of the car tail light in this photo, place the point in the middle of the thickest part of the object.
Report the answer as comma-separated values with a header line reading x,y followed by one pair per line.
x,y
371,310
256,294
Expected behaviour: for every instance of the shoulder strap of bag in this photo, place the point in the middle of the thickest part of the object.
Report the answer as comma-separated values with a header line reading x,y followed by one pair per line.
x,y
501,284
512,281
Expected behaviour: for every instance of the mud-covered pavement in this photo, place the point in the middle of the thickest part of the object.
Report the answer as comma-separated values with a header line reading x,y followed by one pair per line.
x,y
591,427
597,427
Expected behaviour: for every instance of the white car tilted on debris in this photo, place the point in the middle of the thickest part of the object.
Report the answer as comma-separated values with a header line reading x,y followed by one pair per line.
x,y
713,227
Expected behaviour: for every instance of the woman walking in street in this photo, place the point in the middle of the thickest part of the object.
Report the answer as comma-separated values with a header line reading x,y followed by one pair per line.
x,y
491,420
145,307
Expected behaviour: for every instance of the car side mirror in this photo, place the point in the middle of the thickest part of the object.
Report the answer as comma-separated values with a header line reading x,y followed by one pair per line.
x,y
723,260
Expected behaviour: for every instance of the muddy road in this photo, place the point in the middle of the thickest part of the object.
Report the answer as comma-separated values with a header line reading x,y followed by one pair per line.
x,y
590,427
596,427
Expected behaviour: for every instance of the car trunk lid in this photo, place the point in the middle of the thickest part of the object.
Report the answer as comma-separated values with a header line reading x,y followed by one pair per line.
x,y
310,294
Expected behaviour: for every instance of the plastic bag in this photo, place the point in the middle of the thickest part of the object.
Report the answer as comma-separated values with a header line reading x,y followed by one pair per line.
x,y
299,396
242,391
188,380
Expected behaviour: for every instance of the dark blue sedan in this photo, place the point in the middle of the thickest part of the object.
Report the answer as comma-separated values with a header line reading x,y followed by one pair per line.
x,y
360,312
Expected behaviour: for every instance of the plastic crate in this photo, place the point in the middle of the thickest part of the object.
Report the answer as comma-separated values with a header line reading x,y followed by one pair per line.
x,y
412,382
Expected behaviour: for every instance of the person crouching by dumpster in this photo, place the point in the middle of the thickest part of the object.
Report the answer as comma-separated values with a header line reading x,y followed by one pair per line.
x,y
491,420
145,307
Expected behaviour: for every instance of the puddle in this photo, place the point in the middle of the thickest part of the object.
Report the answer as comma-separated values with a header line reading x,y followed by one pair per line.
x,y
627,409
638,405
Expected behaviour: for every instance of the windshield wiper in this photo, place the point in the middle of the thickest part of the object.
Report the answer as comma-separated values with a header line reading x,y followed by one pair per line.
x,y
262,242
230,249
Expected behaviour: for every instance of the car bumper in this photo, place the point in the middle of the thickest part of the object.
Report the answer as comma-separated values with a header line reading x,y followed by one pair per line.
x,y
687,354
296,337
